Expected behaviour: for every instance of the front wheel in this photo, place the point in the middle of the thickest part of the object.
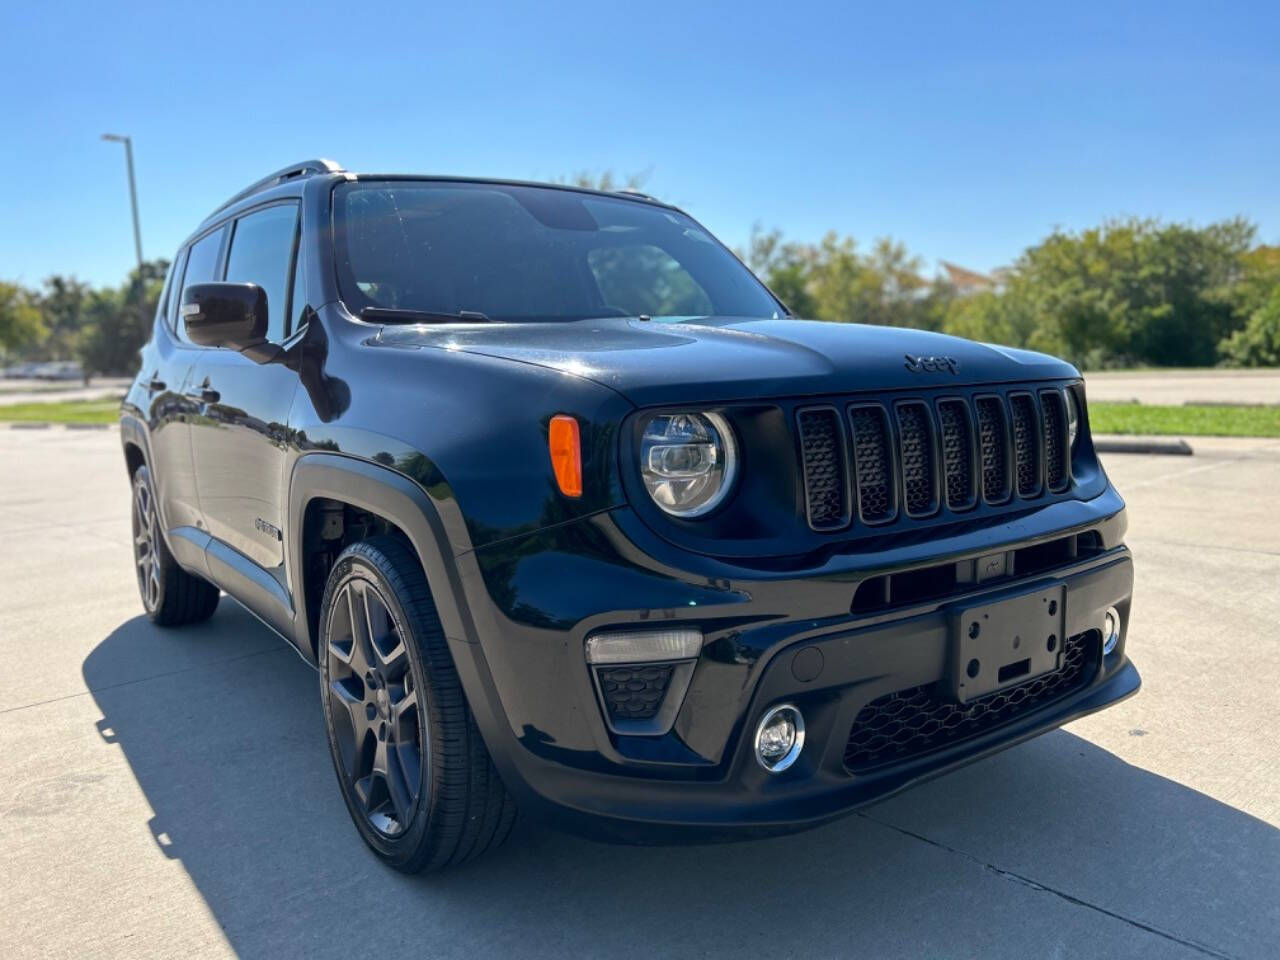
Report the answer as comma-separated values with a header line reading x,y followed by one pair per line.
x,y
413,770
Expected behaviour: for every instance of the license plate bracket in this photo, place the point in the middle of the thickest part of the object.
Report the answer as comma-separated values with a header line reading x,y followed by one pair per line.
x,y
1006,641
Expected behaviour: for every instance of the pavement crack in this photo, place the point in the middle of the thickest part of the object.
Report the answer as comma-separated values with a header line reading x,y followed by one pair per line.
x,y
1019,879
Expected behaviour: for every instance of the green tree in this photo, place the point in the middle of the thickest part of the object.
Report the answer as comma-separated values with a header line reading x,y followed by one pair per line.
x,y
783,267
63,302
1257,344
1126,291
606,180
20,322
118,322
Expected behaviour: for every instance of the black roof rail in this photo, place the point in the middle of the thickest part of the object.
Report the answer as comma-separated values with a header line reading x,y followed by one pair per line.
x,y
305,168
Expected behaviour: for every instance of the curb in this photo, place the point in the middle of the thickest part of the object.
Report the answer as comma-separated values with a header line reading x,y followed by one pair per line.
x,y
1173,448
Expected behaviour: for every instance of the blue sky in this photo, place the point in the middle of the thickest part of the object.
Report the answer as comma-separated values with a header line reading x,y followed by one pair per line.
x,y
966,131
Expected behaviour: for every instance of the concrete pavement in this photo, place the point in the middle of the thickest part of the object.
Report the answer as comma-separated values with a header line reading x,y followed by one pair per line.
x,y
168,793
1185,386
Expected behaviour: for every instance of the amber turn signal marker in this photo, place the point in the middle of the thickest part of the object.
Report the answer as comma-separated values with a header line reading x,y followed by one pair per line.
x,y
566,454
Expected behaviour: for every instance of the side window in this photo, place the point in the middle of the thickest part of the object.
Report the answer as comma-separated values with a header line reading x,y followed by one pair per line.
x,y
298,299
202,265
162,305
261,250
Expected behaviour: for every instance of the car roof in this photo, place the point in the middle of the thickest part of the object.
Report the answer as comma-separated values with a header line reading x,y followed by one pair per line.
x,y
288,182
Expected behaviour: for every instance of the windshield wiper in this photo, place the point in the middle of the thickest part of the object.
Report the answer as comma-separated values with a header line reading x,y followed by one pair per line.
x,y
394,315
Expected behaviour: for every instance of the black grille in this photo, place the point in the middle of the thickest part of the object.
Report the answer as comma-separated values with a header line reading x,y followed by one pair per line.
x,y
993,443
872,465
1053,420
1026,459
930,454
919,720
634,692
822,452
957,454
915,434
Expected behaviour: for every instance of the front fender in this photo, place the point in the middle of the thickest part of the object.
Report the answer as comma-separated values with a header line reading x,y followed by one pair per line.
x,y
393,496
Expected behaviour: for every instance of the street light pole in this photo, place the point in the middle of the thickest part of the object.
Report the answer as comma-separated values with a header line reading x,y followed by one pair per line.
x,y
133,192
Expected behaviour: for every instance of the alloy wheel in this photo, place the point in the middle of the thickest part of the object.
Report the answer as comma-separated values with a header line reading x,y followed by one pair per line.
x,y
145,545
374,708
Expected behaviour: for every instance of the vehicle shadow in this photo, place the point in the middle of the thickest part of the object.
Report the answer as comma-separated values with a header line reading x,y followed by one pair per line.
x,y
1055,847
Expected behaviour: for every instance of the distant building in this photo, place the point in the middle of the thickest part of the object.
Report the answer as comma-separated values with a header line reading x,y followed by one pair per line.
x,y
968,282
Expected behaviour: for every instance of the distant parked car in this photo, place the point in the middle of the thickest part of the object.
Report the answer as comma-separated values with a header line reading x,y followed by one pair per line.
x,y
59,370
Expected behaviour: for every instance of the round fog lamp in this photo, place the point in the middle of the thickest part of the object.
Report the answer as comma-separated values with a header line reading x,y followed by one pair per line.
x,y
1110,630
779,738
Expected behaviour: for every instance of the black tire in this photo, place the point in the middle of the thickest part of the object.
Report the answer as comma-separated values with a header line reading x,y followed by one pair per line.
x,y
170,595
382,685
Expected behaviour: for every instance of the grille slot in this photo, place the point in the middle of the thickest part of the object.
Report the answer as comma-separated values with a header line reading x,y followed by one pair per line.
x,y
918,459
1053,424
993,442
873,466
826,484
1026,446
634,692
959,479
919,720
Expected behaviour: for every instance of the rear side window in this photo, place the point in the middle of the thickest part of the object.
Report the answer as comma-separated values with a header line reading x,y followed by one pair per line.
x,y
202,265
261,253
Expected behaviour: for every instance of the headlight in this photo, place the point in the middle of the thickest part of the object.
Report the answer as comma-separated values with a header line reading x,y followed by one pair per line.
x,y
1073,418
688,461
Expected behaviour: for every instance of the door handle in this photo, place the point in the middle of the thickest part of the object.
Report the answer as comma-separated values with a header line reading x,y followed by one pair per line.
x,y
155,384
203,394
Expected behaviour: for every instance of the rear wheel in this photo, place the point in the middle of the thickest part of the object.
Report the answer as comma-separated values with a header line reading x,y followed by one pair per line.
x,y
170,595
413,770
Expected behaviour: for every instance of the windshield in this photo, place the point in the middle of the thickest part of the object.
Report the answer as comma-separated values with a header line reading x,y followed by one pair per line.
x,y
518,253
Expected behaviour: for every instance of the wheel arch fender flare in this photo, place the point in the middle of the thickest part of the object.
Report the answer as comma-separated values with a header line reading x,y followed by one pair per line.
x,y
397,499
133,433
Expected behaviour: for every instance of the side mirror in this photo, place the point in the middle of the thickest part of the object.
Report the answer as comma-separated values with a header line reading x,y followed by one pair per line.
x,y
229,315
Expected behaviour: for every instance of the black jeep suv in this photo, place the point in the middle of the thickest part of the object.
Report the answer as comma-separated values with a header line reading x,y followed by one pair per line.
x,y
572,514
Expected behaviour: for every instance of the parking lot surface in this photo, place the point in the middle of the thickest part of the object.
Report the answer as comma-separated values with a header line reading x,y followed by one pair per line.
x,y
169,793
1185,386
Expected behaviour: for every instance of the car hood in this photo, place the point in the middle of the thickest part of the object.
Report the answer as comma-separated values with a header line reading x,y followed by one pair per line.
x,y
723,359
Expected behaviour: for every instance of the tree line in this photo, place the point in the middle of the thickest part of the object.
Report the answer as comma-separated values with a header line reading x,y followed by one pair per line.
x,y
1126,293
65,319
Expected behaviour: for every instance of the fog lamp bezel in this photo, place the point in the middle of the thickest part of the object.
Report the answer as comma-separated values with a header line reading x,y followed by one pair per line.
x,y
791,756
1111,638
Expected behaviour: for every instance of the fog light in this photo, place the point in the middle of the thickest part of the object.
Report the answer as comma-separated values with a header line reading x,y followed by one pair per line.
x,y
779,738
1110,630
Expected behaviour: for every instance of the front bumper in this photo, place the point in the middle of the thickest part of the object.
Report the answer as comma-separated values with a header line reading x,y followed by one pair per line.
x,y
536,600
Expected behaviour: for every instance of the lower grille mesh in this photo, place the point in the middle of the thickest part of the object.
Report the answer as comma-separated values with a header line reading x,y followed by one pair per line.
x,y
634,692
916,721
